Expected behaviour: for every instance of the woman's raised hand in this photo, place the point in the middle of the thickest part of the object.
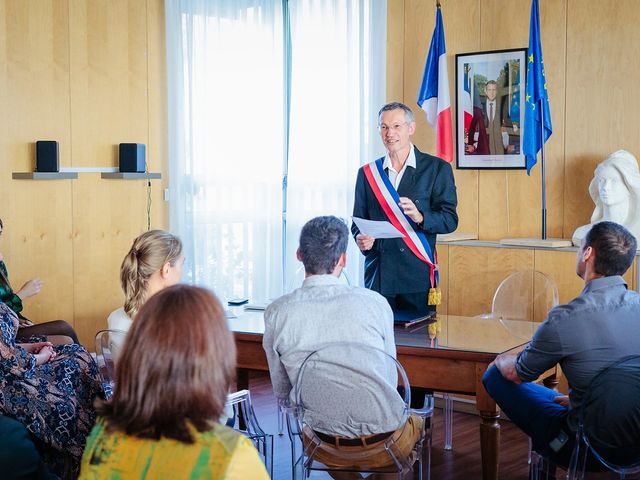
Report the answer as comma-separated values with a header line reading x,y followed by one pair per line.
x,y
30,288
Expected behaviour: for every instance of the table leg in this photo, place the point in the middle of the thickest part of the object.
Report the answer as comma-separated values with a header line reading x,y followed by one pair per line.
x,y
242,383
242,379
551,382
489,444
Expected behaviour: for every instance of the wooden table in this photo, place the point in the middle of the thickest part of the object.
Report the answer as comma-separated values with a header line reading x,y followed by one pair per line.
x,y
453,359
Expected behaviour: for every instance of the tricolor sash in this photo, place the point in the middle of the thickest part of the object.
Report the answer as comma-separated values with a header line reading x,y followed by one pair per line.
x,y
388,198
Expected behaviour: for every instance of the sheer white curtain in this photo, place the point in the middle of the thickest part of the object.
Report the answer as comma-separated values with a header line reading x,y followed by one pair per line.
x,y
338,71
225,70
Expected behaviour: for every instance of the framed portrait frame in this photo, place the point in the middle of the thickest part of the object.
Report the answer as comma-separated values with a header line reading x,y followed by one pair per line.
x,y
490,92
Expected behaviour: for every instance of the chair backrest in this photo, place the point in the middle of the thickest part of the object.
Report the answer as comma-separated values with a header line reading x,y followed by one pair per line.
x,y
349,389
108,345
240,402
239,409
610,414
522,301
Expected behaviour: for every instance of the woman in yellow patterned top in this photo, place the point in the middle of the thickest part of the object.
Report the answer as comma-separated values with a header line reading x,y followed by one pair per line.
x,y
172,379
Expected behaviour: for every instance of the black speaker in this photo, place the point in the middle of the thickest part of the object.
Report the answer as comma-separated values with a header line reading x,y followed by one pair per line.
x,y
47,158
132,157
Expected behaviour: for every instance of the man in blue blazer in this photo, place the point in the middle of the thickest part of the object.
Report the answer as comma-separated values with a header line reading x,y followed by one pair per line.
x,y
427,195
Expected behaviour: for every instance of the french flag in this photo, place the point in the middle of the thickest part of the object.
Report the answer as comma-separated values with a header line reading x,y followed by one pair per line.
x,y
434,92
465,99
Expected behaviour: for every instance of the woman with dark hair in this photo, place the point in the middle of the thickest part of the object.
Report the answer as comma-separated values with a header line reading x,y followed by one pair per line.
x,y
172,379
59,330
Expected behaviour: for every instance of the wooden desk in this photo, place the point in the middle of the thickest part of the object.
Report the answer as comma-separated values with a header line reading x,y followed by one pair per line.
x,y
461,352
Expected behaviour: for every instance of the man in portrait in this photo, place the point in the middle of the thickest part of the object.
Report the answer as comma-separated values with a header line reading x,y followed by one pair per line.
x,y
492,123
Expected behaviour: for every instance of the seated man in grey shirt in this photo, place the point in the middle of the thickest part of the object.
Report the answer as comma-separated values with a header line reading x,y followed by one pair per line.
x,y
324,311
584,336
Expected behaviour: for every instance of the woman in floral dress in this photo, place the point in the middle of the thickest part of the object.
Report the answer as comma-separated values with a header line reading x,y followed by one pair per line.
x,y
50,390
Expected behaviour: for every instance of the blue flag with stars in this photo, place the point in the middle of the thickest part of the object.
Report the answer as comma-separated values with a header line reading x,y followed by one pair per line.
x,y
536,98
514,111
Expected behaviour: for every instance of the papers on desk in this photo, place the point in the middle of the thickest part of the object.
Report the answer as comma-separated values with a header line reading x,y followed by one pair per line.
x,y
409,319
256,306
377,229
229,313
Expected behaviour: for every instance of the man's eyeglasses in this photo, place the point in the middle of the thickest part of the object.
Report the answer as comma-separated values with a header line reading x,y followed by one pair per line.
x,y
394,128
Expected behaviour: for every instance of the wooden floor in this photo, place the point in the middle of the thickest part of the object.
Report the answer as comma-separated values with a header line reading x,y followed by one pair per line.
x,y
461,463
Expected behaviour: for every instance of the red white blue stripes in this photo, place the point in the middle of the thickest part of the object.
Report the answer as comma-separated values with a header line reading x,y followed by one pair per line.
x,y
434,96
388,198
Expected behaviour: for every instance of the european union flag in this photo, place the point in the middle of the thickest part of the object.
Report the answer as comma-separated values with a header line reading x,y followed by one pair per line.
x,y
537,100
514,111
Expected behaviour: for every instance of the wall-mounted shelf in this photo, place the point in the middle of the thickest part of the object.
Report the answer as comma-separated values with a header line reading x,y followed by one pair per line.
x,y
44,175
131,176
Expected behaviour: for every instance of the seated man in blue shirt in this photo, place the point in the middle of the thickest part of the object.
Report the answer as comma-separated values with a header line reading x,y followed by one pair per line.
x,y
584,336
325,311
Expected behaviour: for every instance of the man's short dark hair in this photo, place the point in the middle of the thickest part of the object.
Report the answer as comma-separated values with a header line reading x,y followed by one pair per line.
x,y
615,248
322,241
491,82
408,114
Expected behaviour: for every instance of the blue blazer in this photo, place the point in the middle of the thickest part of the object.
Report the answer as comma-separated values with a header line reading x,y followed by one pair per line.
x,y
390,267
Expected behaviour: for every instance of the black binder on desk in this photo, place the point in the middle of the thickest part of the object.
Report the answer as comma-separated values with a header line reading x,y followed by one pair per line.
x,y
409,319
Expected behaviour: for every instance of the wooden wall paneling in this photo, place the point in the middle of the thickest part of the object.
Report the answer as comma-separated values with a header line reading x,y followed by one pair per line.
x,y
493,204
157,150
109,106
603,96
420,19
108,216
553,31
395,50
561,267
4,112
524,192
503,25
476,272
461,25
462,30
443,266
109,78
35,99
512,197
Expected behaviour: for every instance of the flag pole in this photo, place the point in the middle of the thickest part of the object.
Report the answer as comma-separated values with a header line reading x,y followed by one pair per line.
x,y
544,178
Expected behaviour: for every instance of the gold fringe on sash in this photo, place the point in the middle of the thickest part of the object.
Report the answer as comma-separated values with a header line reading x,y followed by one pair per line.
x,y
435,296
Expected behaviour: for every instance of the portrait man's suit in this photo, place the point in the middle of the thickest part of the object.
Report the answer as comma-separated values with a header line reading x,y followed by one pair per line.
x,y
489,127
390,266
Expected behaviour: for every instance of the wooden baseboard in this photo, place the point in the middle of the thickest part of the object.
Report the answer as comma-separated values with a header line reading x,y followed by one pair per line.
x,y
461,403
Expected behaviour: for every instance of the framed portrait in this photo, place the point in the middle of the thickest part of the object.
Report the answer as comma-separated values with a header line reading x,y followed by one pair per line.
x,y
489,109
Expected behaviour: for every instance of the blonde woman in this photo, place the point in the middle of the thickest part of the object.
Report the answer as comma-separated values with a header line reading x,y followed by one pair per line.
x,y
153,263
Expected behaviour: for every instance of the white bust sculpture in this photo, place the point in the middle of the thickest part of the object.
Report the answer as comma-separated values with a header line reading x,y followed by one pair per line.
x,y
615,189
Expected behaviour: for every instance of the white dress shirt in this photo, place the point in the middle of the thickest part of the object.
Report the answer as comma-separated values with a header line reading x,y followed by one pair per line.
x,y
324,311
396,177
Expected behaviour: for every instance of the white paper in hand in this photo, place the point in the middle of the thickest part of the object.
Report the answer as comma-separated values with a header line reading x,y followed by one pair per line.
x,y
377,229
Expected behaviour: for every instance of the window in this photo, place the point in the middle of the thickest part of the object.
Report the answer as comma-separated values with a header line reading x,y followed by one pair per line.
x,y
271,111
